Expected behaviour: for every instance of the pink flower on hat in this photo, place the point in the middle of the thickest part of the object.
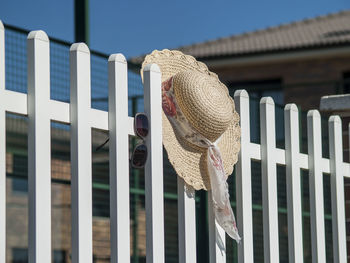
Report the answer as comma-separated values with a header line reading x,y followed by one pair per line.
x,y
166,85
168,105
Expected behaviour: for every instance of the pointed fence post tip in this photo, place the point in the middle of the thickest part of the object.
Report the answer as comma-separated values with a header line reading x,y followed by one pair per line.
x,y
241,93
335,119
82,47
313,113
291,107
38,34
1,25
119,57
152,67
267,100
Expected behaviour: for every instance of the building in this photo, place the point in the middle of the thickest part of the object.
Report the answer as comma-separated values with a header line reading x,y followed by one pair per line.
x,y
293,63
299,62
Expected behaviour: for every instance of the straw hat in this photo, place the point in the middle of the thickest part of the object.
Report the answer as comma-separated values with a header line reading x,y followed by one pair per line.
x,y
206,103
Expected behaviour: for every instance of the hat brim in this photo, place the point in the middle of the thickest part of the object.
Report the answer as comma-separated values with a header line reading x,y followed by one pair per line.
x,y
188,160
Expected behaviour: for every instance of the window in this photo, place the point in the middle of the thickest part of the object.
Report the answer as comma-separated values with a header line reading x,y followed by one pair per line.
x,y
261,88
258,89
19,255
346,82
20,172
59,256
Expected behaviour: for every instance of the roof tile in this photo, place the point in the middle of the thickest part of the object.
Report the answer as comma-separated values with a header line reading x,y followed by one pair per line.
x,y
328,30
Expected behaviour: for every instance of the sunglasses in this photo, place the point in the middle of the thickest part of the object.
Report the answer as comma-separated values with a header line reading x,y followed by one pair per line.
x,y
139,155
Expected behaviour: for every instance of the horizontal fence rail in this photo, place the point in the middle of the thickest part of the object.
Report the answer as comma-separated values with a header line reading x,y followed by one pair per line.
x,y
294,161
41,110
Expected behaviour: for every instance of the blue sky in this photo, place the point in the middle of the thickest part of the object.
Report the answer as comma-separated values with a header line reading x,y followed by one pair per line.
x,y
135,27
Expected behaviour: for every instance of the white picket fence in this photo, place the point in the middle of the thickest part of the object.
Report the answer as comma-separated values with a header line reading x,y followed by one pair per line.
x,y
40,110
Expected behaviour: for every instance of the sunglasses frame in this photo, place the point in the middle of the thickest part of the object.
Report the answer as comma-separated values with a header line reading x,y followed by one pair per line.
x,y
133,154
135,129
137,145
141,143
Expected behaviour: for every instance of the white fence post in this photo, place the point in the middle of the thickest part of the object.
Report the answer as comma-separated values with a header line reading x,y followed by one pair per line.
x,y
217,235
187,222
316,187
295,233
2,148
119,159
81,180
243,182
39,149
154,166
337,189
40,109
269,179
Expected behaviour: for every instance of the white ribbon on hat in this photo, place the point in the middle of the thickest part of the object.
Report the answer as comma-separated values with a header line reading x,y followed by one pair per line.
x,y
220,195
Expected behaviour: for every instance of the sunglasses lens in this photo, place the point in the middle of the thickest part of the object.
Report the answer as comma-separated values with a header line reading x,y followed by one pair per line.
x,y
141,125
139,156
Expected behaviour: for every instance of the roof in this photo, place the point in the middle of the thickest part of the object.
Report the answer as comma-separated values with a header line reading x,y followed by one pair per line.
x,y
318,32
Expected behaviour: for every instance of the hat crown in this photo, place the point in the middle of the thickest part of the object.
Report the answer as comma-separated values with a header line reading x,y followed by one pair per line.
x,y
205,102
188,160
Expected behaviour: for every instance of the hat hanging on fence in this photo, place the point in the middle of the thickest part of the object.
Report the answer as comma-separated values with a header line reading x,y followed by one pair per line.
x,y
201,131
206,104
